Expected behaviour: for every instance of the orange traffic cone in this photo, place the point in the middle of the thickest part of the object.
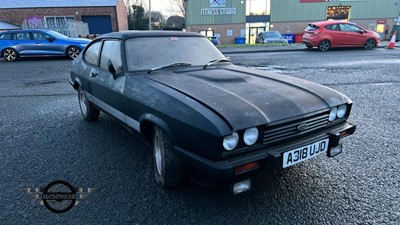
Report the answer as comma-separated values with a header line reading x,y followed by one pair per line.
x,y
392,41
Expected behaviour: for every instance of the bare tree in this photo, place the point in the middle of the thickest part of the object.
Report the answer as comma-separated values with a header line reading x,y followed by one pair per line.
x,y
180,5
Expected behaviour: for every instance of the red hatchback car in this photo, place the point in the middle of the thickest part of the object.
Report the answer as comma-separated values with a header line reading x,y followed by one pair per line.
x,y
334,34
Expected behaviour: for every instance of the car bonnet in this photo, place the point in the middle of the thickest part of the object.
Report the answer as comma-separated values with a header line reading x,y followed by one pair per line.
x,y
247,98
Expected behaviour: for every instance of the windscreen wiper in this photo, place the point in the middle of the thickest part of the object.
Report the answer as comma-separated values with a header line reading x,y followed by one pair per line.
x,y
214,62
169,65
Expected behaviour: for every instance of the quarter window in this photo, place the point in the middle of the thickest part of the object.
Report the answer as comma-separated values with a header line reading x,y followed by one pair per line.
x,y
92,53
111,52
5,37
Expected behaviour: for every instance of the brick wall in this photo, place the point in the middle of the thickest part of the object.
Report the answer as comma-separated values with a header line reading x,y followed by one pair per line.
x,y
122,15
17,16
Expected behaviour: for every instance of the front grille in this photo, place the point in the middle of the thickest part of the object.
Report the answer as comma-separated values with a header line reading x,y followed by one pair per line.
x,y
289,130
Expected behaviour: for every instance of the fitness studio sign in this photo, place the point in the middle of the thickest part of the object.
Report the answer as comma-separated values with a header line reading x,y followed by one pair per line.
x,y
217,8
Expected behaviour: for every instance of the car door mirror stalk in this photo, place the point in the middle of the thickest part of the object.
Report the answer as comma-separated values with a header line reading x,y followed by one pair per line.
x,y
114,71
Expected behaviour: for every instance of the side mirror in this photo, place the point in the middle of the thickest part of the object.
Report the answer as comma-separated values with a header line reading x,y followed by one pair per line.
x,y
111,68
50,39
361,31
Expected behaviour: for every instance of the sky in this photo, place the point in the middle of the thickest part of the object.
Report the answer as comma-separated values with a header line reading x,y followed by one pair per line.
x,y
163,6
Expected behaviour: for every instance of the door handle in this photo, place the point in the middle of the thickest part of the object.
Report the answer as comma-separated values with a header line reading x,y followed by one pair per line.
x,y
93,74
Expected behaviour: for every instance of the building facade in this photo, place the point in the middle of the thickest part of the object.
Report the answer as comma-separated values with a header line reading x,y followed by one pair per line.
x,y
228,19
101,16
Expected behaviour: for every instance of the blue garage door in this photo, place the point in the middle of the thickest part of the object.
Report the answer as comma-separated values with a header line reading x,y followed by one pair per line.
x,y
98,24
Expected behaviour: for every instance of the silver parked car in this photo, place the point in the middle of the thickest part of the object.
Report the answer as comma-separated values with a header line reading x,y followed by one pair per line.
x,y
270,37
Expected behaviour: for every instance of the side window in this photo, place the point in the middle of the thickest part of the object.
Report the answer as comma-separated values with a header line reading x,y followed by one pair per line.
x,y
349,28
111,51
23,36
5,37
39,36
92,53
333,27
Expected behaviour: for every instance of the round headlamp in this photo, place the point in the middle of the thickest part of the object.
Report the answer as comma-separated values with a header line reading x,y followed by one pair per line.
x,y
341,112
230,142
333,114
250,136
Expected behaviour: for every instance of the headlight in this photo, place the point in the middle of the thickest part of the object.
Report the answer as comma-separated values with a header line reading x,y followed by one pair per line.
x,y
230,142
250,136
332,114
341,112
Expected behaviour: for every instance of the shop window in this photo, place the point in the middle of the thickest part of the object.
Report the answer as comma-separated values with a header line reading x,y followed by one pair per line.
x,y
207,33
258,7
338,12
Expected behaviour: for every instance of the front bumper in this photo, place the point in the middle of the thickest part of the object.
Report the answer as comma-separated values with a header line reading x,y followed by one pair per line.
x,y
213,173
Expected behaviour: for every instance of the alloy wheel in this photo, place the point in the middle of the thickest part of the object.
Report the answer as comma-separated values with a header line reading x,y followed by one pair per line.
x,y
324,45
10,54
82,102
73,52
158,150
369,44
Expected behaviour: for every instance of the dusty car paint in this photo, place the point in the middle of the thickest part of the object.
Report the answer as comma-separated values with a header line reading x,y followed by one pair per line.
x,y
198,106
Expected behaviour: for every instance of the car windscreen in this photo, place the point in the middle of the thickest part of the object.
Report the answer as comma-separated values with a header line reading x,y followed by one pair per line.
x,y
145,53
272,35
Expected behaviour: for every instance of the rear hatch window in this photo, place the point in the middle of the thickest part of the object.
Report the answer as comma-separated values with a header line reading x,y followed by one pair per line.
x,y
311,27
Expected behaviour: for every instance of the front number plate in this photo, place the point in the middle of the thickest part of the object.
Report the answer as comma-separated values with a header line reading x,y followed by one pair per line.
x,y
304,153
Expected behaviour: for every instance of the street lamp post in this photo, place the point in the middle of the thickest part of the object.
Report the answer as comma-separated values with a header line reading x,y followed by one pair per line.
x,y
149,14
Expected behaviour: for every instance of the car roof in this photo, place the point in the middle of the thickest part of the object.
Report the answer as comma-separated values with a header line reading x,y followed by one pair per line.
x,y
328,22
137,33
26,30
272,31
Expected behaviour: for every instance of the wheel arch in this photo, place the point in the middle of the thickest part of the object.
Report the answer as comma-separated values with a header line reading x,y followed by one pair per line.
x,y
147,124
76,83
325,39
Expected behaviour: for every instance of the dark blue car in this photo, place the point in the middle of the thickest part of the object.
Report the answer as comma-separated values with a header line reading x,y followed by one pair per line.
x,y
39,42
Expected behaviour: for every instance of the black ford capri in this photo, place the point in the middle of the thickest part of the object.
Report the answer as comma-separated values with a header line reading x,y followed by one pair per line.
x,y
204,117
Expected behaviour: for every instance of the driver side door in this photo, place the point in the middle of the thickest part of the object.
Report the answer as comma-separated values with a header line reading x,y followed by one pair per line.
x,y
107,88
352,35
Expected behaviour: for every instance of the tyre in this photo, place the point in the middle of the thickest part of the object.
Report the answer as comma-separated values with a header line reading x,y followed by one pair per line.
x,y
324,45
10,54
73,52
89,112
369,44
168,170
